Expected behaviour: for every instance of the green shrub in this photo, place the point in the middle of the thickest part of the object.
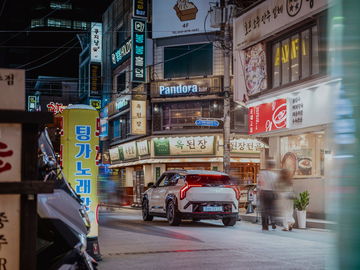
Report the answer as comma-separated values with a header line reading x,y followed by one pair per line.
x,y
302,201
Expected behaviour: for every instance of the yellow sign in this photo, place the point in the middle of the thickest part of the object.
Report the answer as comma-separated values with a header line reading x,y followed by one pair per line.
x,y
138,117
292,51
80,143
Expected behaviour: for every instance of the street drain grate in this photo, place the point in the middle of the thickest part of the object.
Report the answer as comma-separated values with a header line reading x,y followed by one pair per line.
x,y
166,251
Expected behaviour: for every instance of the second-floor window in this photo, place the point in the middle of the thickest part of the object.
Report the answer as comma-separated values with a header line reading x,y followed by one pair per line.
x,y
295,57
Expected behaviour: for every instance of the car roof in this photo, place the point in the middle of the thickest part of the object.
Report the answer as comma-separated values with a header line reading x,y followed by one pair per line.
x,y
187,172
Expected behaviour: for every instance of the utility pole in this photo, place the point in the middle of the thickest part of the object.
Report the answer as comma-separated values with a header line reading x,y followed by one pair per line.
x,y
226,90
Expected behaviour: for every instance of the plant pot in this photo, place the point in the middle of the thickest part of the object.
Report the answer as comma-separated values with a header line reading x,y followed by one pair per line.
x,y
301,219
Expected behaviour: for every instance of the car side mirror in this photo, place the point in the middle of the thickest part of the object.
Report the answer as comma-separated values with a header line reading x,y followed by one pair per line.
x,y
151,185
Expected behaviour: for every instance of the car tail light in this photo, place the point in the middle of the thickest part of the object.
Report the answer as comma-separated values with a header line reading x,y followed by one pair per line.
x,y
185,188
237,191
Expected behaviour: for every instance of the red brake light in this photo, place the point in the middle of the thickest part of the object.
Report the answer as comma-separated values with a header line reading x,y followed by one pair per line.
x,y
185,188
237,191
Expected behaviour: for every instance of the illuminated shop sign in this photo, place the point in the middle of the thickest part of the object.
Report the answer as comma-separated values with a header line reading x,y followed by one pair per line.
x,y
178,90
182,146
33,103
140,8
95,79
96,103
55,107
246,146
121,54
122,102
96,42
138,63
268,116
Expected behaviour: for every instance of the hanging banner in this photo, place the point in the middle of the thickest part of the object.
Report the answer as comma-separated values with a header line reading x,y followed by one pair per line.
x,y
138,53
80,144
268,116
182,146
138,117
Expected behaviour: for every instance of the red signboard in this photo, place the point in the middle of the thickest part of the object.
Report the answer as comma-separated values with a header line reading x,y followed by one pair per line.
x,y
268,116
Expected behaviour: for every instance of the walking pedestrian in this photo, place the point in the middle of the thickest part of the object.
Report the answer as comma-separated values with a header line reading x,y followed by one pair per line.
x,y
266,188
284,201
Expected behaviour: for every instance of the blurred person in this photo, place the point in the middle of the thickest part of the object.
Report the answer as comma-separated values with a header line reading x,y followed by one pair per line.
x,y
284,202
266,189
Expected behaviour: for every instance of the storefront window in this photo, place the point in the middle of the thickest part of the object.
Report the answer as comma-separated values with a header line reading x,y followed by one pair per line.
x,y
293,58
303,155
180,115
276,65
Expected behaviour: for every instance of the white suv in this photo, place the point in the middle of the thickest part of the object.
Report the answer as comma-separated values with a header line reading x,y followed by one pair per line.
x,y
192,194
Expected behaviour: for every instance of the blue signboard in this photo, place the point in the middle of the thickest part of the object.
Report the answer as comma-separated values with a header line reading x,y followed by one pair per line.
x,y
207,123
121,54
138,53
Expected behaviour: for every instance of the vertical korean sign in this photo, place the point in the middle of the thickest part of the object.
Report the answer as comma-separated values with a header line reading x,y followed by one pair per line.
x,y
80,143
138,37
138,117
96,42
12,97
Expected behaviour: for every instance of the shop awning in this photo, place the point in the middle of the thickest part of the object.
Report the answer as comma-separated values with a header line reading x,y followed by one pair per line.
x,y
182,160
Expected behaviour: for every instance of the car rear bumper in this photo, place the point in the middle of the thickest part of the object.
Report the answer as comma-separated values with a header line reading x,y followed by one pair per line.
x,y
209,215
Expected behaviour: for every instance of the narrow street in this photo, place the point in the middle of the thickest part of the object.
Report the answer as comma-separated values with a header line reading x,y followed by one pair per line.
x,y
127,242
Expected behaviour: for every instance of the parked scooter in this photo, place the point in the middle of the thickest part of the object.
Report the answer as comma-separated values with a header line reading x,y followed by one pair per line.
x,y
62,219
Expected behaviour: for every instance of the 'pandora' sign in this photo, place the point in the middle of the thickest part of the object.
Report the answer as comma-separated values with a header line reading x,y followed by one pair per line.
x,y
178,90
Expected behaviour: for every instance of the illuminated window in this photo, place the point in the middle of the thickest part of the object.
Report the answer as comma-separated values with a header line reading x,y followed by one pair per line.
x,y
60,23
81,25
295,57
37,23
58,5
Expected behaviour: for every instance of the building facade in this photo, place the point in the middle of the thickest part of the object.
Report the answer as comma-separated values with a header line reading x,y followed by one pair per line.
x,y
281,74
173,118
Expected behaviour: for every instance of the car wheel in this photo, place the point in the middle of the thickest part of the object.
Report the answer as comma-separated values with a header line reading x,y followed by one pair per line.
x,y
145,211
172,214
229,221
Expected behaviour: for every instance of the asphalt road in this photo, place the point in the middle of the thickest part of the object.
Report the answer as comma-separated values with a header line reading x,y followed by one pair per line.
x,y
127,242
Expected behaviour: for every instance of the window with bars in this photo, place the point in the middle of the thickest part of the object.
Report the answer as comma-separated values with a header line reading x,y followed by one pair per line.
x,y
295,57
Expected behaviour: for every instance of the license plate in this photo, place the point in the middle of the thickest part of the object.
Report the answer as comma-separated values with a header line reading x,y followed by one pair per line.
x,y
212,208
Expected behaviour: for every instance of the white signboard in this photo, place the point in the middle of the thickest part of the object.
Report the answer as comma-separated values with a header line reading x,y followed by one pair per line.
x,y
96,42
114,154
308,106
203,145
138,117
129,150
143,148
10,170
12,85
246,146
270,16
181,17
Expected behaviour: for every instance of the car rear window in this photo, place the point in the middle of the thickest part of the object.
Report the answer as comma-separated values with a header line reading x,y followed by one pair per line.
x,y
211,180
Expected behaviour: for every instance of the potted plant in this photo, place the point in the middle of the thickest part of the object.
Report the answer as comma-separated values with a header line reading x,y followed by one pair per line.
x,y
301,203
